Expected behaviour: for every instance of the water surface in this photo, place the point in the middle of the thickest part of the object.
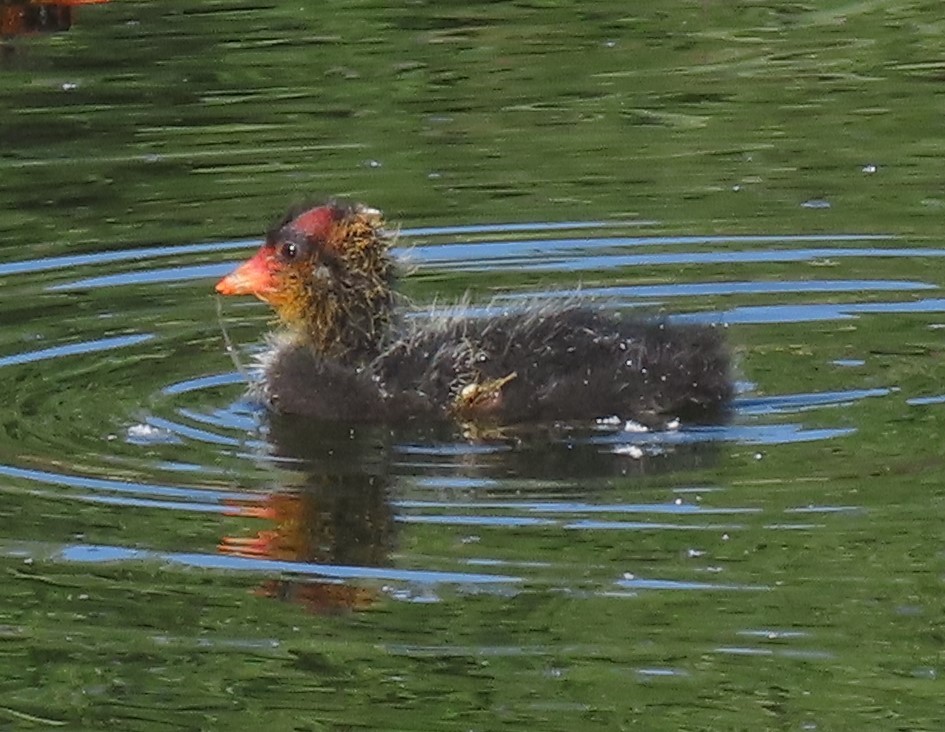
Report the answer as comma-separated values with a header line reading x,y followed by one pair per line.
x,y
175,558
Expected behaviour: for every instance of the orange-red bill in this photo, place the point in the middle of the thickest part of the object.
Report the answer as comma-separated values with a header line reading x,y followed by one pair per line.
x,y
253,277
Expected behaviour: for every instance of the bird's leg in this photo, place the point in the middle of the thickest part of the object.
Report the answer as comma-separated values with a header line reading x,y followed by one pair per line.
x,y
481,399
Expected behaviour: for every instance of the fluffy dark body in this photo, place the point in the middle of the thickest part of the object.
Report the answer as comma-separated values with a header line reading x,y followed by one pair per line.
x,y
327,271
571,363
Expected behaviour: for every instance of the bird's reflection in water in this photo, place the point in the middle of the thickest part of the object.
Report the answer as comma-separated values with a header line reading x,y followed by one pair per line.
x,y
336,512
336,507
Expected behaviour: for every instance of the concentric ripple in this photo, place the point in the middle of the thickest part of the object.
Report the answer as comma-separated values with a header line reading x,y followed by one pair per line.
x,y
150,401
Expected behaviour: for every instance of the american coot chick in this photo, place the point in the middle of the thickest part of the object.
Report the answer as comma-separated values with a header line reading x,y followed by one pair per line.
x,y
328,273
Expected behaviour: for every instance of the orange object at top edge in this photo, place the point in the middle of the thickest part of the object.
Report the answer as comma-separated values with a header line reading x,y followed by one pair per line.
x,y
65,2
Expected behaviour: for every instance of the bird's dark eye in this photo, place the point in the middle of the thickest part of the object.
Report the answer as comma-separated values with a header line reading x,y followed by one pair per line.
x,y
290,250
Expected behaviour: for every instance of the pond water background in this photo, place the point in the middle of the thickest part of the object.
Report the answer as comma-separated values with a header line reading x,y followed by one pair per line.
x,y
173,559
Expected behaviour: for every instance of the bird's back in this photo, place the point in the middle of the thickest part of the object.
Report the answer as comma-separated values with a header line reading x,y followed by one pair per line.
x,y
572,363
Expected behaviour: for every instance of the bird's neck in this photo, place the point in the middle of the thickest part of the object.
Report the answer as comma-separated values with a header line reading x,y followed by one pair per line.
x,y
347,316
352,329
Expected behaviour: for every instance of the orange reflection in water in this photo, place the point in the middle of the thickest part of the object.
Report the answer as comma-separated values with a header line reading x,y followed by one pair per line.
x,y
19,17
350,527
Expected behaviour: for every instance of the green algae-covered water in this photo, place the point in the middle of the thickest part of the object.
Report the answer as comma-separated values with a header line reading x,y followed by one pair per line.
x,y
175,559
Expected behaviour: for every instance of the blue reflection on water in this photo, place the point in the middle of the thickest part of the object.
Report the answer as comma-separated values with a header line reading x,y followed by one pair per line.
x,y
72,349
104,553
